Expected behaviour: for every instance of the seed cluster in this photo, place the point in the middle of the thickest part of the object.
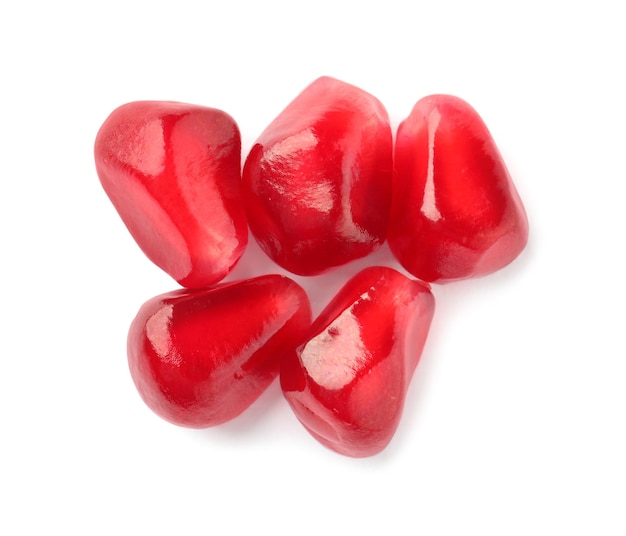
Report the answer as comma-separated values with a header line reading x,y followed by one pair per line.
x,y
323,185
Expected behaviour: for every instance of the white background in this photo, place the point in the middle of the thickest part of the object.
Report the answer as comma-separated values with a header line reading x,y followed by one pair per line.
x,y
516,418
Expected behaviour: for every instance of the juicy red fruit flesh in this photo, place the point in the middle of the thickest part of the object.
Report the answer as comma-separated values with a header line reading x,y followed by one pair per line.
x,y
348,381
199,358
317,182
173,172
455,213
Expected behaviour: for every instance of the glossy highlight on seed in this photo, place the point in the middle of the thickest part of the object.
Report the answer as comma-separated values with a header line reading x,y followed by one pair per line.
x,y
173,173
200,357
317,182
456,213
347,381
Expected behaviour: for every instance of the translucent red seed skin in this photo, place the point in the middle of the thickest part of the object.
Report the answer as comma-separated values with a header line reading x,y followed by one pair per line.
x,y
456,213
